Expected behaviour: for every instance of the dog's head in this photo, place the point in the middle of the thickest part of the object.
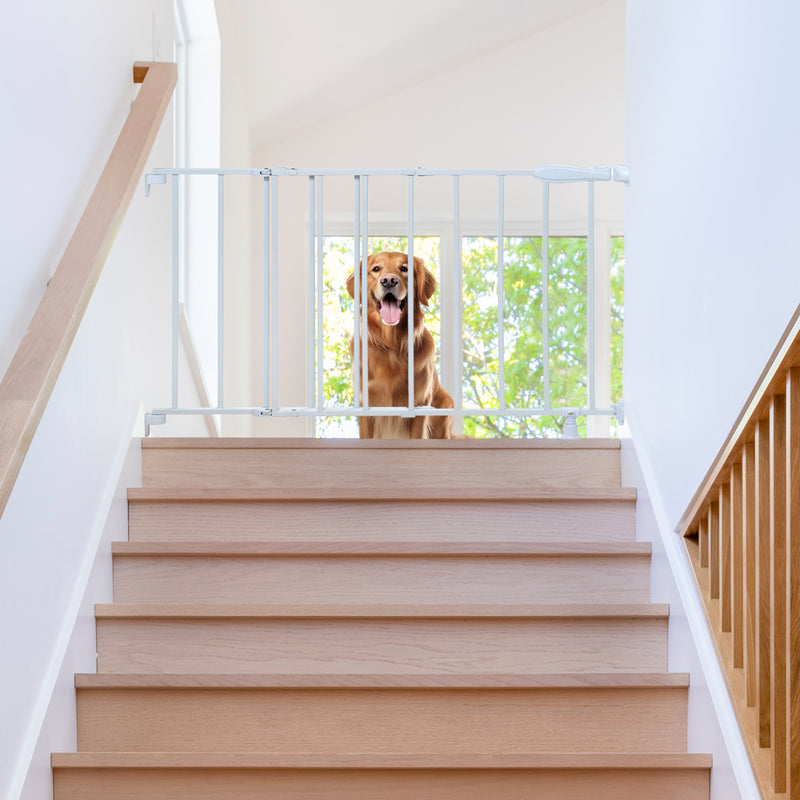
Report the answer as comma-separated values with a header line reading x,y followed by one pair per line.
x,y
387,285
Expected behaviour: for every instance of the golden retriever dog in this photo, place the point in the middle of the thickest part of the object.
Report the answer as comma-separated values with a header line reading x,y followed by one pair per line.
x,y
387,325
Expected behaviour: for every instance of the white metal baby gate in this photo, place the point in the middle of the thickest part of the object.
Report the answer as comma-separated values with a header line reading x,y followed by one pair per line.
x,y
316,231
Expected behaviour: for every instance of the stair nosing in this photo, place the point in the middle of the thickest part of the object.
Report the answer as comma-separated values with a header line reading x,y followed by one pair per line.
x,y
299,547
375,495
433,681
380,611
298,443
128,760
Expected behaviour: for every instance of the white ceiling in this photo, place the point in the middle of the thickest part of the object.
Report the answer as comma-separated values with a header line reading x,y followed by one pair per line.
x,y
304,61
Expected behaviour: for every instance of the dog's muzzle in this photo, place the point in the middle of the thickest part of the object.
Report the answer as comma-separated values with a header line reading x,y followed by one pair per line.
x,y
390,308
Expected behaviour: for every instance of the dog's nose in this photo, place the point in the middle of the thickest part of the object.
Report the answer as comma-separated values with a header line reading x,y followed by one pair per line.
x,y
389,281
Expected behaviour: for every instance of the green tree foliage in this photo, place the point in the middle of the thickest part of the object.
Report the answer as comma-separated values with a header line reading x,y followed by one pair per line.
x,y
523,315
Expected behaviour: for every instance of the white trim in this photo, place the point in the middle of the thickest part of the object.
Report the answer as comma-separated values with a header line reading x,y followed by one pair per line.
x,y
696,618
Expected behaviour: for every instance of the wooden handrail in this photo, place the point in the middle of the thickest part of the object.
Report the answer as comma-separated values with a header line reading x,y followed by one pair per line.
x,y
32,374
742,532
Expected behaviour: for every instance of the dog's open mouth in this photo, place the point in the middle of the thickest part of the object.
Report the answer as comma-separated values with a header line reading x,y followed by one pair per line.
x,y
390,308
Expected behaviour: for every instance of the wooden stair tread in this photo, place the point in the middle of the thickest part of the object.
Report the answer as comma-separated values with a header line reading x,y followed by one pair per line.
x,y
376,494
101,760
370,548
243,443
367,611
618,680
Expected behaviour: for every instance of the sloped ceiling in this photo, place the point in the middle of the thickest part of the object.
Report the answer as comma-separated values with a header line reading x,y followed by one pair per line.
x,y
303,61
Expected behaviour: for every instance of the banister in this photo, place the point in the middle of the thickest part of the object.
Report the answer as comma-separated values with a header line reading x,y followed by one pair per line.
x,y
742,532
36,365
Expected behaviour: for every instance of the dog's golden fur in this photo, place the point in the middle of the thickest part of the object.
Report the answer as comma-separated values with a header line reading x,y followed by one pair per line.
x,y
387,323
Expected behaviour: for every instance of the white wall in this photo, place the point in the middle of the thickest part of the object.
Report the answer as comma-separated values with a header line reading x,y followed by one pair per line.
x,y
556,97
66,87
711,264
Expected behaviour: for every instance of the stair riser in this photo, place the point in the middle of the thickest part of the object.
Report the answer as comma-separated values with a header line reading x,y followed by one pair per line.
x,y
214,784
382,579
391,468
586,521
379,720
368,646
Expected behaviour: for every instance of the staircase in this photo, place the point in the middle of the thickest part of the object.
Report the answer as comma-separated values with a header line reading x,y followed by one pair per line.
x,y
362,620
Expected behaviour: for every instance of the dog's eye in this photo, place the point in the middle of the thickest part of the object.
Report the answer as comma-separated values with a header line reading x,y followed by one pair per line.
x,y
376,269
403,268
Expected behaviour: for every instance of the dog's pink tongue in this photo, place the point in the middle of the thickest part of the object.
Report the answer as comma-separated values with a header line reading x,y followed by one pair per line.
x,y
390,311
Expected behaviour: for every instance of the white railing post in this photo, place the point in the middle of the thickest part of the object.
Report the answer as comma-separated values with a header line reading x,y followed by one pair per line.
x,y
362,274
312,288
411,339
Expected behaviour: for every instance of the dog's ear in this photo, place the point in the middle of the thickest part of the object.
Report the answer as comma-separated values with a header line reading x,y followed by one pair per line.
x,y
424,282
351,278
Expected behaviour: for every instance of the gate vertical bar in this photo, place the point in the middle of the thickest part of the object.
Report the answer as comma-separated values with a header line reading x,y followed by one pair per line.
x,y
501,298
411,273
357,313
545,295
266,292
175,284
320,298
273,316
458,341
590,298
220,288
364,288
312,287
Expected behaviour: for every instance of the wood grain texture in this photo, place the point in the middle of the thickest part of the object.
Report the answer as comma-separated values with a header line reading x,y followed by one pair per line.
x,y
366,548
725,585
423,644
714,549
702,540
737,564
777,429
793,581
764,582
399,471
468,761
344,719
750,567
382,579
382,610
34,369
523,520
475,777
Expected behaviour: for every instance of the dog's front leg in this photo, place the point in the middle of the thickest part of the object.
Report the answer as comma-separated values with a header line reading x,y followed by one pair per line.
x,y
419,428
366,427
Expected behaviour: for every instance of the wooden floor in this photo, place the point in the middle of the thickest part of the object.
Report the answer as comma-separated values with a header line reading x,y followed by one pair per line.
x,y
321,619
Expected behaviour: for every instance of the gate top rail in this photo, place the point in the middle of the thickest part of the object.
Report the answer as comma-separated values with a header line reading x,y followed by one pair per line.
x,y
547,174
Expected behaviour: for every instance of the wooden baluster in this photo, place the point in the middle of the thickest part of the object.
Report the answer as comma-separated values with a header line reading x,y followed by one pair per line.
x,y
702,535
725,556
777,428
763,583
713,550
750,566
793,579
737,566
